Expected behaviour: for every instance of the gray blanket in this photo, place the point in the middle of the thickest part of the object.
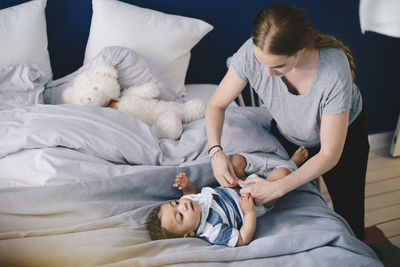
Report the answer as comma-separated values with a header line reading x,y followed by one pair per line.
x,y
79,183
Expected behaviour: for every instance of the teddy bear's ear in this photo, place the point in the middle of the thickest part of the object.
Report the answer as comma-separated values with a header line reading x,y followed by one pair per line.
x,y
107,70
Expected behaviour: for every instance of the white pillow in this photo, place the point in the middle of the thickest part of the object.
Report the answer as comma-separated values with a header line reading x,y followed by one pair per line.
x,y
163,40
23,36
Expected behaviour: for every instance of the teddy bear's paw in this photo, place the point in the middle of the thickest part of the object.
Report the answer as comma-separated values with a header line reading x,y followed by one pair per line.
x,y
193,110
146,91
168,125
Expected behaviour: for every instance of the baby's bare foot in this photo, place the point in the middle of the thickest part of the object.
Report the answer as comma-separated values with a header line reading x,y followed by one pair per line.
x,y
300,156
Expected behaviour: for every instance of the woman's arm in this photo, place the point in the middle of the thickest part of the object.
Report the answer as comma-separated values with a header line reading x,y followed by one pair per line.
x,y
333,135
229,88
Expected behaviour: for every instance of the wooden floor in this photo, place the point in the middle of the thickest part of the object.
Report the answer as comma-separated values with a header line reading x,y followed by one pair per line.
x,y
382,194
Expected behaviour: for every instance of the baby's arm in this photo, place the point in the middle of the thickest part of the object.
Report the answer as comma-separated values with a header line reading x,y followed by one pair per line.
x,y
184,184
248,228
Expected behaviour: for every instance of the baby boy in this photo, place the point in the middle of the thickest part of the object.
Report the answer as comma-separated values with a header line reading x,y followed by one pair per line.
x,y
218,215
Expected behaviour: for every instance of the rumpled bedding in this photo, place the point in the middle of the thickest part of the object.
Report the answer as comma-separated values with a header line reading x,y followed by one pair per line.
x,y
20,85
51,143
78,182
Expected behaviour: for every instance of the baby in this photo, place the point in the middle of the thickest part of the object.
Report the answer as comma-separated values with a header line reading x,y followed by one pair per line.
x,y
218,215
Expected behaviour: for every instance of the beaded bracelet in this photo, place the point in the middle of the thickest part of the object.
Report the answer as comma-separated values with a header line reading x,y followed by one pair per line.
x,y
214,147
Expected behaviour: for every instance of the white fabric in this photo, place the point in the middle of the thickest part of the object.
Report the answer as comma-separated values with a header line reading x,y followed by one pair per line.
x,y
23,36
163,40
202,91
381,16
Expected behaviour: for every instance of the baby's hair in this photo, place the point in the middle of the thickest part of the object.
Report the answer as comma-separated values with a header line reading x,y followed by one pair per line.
x,y
153,225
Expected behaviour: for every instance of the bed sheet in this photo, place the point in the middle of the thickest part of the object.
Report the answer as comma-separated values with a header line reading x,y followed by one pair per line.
x,y
79,182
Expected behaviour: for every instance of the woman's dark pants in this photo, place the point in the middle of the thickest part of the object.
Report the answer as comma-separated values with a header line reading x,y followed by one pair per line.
x,y
345,181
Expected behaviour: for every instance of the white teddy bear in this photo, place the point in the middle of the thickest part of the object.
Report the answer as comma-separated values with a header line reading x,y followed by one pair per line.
x,y
100,87
165,117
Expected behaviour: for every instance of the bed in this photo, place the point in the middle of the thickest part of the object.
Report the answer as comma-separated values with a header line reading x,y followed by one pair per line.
x,y
78,182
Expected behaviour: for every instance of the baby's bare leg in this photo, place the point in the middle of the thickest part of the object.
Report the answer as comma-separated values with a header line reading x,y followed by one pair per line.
x,y
239,164
273,176
299,156
278,174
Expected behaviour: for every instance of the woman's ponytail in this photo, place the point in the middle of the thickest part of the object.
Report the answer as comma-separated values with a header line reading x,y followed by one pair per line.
x,y
324,40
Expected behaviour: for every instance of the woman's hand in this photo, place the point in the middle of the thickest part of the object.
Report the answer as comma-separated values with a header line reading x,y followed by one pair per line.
x,y
223,170
261,190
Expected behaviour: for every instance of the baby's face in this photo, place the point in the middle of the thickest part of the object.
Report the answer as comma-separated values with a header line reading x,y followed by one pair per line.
x,y
180,217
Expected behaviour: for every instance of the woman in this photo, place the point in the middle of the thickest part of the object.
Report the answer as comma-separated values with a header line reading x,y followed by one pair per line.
x,y
306,80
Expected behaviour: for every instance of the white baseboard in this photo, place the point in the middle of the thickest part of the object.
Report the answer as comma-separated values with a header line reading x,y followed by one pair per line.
x,y
380,140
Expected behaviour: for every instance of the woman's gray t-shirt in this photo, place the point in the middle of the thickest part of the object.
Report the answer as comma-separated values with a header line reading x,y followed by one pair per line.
x,y
299,116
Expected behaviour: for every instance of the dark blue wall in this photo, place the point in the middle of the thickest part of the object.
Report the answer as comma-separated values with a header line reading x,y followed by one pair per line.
x,y
377,57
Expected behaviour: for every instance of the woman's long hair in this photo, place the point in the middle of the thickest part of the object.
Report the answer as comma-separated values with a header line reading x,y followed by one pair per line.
x,y
286,29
